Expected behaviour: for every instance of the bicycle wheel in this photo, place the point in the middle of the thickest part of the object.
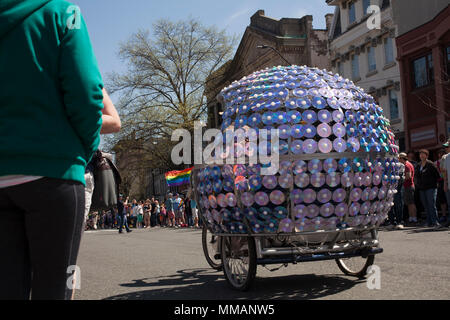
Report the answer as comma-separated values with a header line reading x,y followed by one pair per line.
x,y
355,266
239,261
211,245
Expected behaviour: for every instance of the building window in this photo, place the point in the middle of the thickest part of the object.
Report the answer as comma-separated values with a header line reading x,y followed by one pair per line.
x,y
423,71
355,66
366,4
389,50
338,28
351,13
340,67
385,4
393,105
371,59
430,68
448,61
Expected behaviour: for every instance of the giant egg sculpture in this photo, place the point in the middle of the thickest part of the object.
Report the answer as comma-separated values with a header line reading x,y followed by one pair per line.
x,y
338,161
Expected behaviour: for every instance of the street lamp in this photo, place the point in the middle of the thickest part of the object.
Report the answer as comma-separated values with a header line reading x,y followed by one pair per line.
x,y
265,46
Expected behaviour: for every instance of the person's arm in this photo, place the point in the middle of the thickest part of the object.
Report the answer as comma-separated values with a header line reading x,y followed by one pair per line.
x,y
110,116
445,176
436,173
408,175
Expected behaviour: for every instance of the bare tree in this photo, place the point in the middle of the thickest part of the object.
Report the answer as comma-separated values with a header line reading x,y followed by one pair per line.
x,y
163,90
164,87
429,102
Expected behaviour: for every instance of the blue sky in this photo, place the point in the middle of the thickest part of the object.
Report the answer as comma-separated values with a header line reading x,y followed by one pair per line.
x,y
111,22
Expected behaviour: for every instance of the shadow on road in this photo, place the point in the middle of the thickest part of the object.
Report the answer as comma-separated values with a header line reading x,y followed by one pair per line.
x,y
206,284
427,230
413,230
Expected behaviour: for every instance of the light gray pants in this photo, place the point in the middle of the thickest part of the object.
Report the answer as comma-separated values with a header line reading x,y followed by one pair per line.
x,y
89,191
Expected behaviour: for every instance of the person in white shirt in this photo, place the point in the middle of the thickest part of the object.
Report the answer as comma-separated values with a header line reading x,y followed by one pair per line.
x,y
134,212
139,214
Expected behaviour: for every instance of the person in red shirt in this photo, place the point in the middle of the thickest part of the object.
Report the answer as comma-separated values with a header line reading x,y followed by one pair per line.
x,y
409,188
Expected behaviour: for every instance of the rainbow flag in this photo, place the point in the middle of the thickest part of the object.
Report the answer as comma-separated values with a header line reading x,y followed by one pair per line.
x,y
178,178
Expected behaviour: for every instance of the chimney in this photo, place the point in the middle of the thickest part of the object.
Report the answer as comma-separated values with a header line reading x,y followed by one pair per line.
x,y
329,20
254,18
259,13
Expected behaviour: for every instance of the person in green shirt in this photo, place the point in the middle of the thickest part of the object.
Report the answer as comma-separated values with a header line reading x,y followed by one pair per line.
x,y
50,121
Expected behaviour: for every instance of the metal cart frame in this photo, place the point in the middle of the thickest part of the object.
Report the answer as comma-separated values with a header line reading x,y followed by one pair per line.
x,y
256,249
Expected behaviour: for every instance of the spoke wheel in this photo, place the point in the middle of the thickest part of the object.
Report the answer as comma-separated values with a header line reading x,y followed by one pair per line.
x,y
239,261
355,266
211,246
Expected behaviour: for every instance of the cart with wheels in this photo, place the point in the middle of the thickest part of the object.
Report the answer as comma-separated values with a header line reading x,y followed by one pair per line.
x,y
242,254
324,194
238,255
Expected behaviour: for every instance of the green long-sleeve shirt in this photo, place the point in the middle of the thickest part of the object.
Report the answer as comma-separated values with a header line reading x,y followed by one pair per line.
x,y
50,90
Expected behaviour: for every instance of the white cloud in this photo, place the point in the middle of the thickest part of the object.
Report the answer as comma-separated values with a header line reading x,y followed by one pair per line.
x,y
238,14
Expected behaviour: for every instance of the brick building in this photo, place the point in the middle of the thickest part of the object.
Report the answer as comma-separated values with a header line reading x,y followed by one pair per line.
x,y
424,57
295,39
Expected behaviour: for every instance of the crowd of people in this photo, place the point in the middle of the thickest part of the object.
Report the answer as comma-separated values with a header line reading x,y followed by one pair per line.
x,y
424,186
174,212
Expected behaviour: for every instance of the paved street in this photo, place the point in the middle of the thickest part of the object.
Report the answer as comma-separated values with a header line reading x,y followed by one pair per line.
x,y
169,264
